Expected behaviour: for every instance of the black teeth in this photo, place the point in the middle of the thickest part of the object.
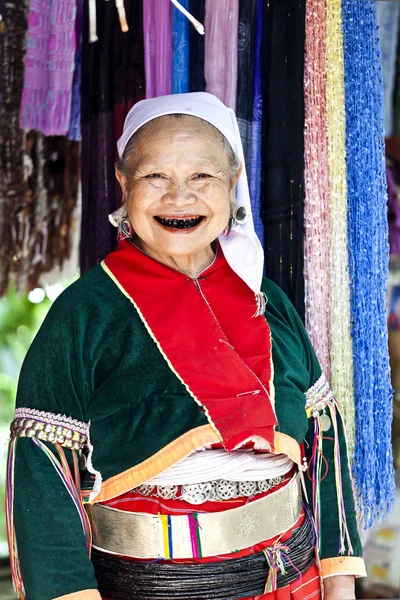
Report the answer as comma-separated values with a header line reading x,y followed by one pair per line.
x,y
179,223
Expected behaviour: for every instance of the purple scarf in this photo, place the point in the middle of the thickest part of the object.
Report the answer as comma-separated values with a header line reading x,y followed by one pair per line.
x,y
157,29
220,55
49,66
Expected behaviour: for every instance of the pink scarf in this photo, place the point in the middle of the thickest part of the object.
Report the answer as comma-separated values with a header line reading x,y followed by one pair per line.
x,y
157,30
49,66
220,54
316,178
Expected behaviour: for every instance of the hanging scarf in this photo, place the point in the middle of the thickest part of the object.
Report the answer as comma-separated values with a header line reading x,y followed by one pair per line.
x,y
49,66
180,51
368,253
387,14
221,25
13,179
129,77
282,145
98,150
256,126
196,54
316,186
340,339
244,105
157,28
74,133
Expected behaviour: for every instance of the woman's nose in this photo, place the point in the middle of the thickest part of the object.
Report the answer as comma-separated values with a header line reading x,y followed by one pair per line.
x,y
179,194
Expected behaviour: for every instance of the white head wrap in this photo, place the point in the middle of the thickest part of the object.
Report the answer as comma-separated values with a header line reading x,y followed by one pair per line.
x,y
242,248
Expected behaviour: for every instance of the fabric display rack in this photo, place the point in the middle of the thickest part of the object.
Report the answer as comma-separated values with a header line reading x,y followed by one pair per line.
x,y
304,77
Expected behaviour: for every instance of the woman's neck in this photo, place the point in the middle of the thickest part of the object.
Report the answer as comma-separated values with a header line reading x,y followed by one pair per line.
x,y
191,265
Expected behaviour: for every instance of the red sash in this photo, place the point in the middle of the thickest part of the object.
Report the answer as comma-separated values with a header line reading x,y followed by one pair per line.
x,y
206,331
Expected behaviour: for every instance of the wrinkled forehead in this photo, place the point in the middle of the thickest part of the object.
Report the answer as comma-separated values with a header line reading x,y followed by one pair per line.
x,y
178,125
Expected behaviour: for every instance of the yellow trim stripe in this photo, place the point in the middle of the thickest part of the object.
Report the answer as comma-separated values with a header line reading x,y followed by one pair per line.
x,y
164,523
153,337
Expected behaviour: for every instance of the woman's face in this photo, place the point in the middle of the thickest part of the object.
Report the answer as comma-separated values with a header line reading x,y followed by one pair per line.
x,y
180,188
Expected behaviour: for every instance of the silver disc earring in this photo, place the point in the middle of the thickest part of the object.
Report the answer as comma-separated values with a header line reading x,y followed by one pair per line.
x,y
240,215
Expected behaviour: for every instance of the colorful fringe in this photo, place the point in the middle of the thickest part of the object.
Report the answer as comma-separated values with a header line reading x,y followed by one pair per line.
x,y
340,339
12,542
369,254
180,50
317,468
316,185
72,485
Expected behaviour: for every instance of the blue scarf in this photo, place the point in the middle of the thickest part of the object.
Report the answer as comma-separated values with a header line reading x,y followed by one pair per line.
x,y
368,258
180,50
255,146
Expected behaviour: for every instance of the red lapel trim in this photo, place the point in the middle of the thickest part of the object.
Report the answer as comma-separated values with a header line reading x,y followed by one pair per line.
x,y
206,333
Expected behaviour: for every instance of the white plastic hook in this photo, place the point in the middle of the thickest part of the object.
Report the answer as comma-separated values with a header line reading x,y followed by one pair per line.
x,y
122,15
92,22
196,24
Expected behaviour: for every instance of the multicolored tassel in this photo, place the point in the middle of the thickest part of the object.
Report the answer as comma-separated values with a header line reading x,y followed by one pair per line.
x,y
64,472
72,485
275,562
318,467
12,542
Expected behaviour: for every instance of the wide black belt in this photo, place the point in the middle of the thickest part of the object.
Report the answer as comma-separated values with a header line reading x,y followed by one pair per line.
x,y
233,579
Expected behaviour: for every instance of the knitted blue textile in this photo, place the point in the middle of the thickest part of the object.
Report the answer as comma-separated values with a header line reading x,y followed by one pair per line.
x,y
255,147
368,259
180,50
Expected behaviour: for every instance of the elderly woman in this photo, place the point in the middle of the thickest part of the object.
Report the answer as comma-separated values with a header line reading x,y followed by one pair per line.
x,y
175,394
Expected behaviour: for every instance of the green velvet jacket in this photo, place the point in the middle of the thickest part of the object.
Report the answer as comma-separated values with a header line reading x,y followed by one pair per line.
x,y
93,361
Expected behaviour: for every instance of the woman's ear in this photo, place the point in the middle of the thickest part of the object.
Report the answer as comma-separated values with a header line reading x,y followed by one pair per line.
x,y
122,182
235,178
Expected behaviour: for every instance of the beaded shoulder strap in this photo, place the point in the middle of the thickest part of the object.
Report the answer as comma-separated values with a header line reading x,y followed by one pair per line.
x,y
49,427
318,396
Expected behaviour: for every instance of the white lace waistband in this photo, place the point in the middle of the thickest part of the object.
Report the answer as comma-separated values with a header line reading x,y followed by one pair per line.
x,y
209,465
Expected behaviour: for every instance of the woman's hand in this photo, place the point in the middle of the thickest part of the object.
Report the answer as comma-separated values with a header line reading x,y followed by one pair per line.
x,y
339,587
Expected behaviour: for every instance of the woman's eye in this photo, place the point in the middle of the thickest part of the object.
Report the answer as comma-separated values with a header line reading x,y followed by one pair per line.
x,y
154,176
202,176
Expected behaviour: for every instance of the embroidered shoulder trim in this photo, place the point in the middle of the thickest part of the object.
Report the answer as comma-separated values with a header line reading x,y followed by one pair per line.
x,y
318,396
49,427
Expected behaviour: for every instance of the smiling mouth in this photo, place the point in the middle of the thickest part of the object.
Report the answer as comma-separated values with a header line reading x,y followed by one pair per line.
x,y
180,223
